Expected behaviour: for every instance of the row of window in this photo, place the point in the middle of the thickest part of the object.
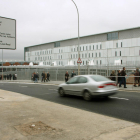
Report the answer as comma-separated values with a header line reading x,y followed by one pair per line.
x,y
86,55
43,58
43,52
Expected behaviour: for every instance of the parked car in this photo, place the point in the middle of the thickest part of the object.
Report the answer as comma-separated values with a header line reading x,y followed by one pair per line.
x,y
88,86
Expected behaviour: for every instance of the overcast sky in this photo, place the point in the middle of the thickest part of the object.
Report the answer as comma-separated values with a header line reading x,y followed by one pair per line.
x,y
42,21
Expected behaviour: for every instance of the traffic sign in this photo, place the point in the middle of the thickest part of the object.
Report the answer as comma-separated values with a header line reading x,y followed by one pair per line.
x,y
79,60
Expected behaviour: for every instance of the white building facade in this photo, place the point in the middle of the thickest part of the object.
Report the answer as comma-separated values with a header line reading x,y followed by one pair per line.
x,y
111,48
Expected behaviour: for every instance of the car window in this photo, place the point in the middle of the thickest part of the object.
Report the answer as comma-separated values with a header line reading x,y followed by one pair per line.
x,y
72,80
82,80
99,78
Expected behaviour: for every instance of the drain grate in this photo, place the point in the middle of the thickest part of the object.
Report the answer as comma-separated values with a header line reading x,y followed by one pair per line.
x,y
36,128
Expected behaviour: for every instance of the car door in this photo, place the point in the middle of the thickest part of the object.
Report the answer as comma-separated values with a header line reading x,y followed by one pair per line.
x,y
70,86
81,84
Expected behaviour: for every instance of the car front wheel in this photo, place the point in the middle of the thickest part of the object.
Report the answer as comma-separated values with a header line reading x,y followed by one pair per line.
x,y
87,96
61,92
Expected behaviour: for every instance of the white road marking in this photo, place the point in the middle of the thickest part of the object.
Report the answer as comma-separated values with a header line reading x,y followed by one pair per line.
x,y
120,98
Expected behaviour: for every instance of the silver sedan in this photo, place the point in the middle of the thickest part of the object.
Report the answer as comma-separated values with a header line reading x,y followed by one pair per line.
x,y
88,86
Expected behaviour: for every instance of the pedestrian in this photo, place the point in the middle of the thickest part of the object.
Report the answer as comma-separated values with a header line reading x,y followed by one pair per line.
x,y
10,76
136,78
37,75
13,76
66,76
36,78
113,76
73,74
43,77
119,77
123,80
7,76
48,76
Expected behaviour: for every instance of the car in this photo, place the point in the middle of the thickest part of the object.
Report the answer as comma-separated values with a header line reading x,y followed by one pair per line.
x,y
88,86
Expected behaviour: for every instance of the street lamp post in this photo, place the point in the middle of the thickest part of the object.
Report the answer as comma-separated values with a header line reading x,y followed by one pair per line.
x,y
78,39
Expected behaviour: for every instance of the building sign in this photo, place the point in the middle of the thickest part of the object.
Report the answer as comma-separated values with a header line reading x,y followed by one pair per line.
x,y
7,33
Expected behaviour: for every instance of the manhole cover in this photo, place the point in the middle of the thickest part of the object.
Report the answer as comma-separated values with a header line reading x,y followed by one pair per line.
x,y
36,128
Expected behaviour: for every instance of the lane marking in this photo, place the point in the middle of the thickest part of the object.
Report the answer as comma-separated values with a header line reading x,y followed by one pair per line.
x,y
119,98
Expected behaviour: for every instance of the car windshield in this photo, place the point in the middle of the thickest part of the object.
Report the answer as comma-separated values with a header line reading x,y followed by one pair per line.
x,y
99,78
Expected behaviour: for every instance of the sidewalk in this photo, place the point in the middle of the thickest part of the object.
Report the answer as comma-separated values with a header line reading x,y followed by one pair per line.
x,y
27,118
129,86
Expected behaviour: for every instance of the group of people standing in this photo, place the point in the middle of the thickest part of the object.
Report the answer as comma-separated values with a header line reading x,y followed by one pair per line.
x,y
8,76
67,75
44,77
122,79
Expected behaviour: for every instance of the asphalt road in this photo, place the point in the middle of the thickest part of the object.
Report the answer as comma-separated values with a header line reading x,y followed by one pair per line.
x,y
124,105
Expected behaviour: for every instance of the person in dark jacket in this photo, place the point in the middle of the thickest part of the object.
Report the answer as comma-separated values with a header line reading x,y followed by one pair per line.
x,y
113,76
36,78
73,74
123,80
66,76
136,79
43,77
48,76
119,77
10,76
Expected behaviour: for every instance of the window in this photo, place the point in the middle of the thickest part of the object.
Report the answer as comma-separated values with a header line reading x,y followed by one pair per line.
x,y
59,50
83,48
100,46
82,80
57,44
99,78
72,80
74,62
83,62
76,55
86,48
96,54
121,44
82,55
97,47
61,56
85,55
100,62
93,47
40,52
115,53
71,55
112,36
92,54
72,49
45,52
120,53
97,62
116,45
121,61
77,48
99,54
80,48
89,55
89,47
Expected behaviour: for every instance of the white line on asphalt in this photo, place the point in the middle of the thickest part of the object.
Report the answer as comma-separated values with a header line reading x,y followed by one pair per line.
x,y
119,98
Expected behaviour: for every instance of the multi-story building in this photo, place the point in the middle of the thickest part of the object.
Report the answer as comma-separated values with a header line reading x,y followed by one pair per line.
x,y
116,47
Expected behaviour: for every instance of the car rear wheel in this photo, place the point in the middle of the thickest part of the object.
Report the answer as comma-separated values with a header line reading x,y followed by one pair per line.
x,y
61,92
87,96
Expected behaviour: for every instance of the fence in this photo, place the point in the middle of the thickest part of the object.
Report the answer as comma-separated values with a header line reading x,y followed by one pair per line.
x,y
57,73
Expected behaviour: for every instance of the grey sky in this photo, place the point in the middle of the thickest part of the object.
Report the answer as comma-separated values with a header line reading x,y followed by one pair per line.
x,y
42,21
